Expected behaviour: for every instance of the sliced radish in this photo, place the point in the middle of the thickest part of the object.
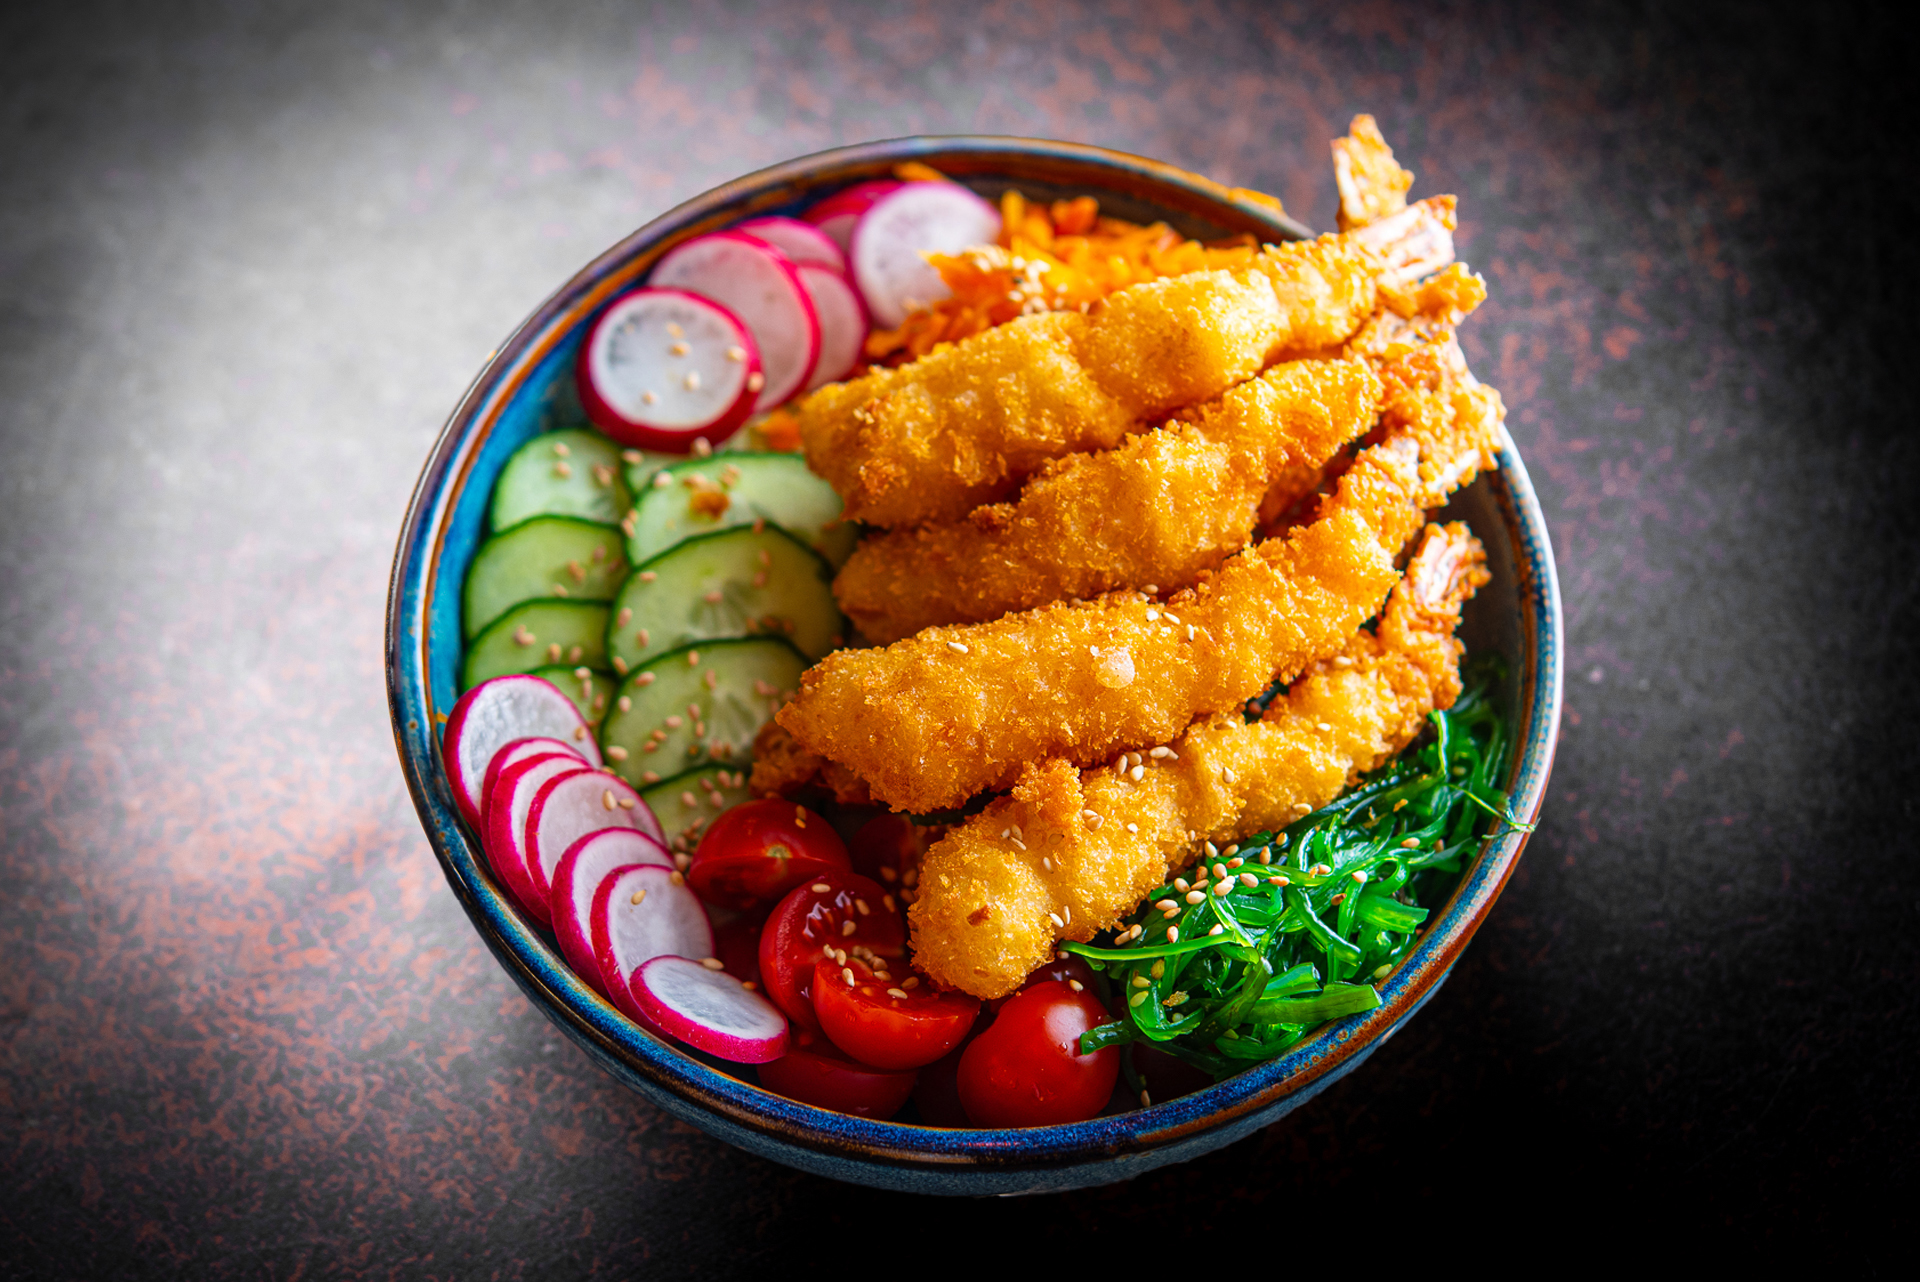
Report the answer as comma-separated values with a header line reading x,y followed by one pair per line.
x,y
570,806
506,823
662,367
837,214
760,286
802,242
586,864
843,323
641,912
495,713
520,750
710,1010
914,220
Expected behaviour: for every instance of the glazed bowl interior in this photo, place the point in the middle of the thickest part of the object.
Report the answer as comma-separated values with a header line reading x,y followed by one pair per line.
x,y
527,388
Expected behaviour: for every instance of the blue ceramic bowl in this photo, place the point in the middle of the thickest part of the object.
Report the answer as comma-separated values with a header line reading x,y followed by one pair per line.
x,y
527,387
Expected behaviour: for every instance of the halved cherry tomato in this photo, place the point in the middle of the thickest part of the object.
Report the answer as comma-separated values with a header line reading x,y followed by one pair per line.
x,y
867,1014
827,1080
759,850
1027,1070
826,912
885,847
1069,968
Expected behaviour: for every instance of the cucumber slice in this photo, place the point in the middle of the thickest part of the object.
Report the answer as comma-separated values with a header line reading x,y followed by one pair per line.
x,y
573,472
537,633
730,583
698,704
548,556
707,494
688,802
592,694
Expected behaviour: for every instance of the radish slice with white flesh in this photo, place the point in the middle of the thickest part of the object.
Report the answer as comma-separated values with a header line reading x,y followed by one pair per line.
x,y
506,822
494,714
710,1010
914,220
802,242
567,808
522,750
837,214
843,323
662,367
641,912
586,864
759,285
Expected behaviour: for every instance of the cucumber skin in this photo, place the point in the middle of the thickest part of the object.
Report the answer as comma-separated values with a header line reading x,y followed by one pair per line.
x,y
837,625
635,764
602,582
683,828
518,493
588,620
644,542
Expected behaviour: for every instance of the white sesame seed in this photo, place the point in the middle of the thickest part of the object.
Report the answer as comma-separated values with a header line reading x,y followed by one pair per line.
x,y
846,973
848,926
1137,773
1133,827
1248,879
957,647
1173,934
616,753
1196,896
1057,923
1076,985
638,895
1221,888
713,963
1410,843
1218,930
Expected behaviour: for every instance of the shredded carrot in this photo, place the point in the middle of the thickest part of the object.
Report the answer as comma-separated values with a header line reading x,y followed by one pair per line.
x,y
1058,257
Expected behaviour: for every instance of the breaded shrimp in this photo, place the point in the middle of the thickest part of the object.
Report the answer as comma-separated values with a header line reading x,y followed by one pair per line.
x,y
1157,510
966,425
931,720
1071,851
782,766
1372,184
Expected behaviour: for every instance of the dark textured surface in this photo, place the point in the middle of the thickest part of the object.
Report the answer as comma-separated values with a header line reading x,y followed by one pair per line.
x,y
249,259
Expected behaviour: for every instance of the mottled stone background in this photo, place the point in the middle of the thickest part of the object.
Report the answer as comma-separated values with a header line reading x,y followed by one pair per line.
x,y
249,257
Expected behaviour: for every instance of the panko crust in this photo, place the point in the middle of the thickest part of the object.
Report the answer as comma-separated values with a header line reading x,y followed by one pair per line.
x,y
1071,851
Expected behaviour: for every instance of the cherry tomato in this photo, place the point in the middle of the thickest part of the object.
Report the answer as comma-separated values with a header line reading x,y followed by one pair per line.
x,y
1071,968
885,847
1027,1070
875,1020
759,850
937,1093
828,1080
736,941
821,914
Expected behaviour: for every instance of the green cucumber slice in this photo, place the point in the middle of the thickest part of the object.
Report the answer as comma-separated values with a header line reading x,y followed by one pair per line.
x,y
730,583
535,634
548,556
573,472
698,704
705,494
643,465
592,693
688,802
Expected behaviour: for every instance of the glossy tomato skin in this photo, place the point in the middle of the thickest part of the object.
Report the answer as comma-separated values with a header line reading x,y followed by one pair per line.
x,y
826,1079
760,850
1070,968
877,1022
1026,1069
809,921
885,847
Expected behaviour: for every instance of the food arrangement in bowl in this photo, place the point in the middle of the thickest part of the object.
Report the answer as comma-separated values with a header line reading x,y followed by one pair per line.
x,y
971,662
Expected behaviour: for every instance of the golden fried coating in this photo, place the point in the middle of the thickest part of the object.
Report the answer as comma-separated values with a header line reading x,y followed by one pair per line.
x,y
931,720
966,425
1372,184
781,766
1157,510
1070,852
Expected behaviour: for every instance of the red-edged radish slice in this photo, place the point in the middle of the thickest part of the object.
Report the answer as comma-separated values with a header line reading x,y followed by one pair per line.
x,y
843,323
662,367
494,714
576,879
802,242
567,808
837,214
520,750
760,286
914,220
710,1010
641,912
506,823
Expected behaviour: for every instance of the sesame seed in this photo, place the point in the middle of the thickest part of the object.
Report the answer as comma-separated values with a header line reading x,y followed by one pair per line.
x,y
553,652
644,679
1248,879
1410,843
911,981
1146,1100
1076,985
627,803
849,926
677,877
846,973
1360,876
1057,923
619,665
1342,661
820,888
579,733
957,647
1138,999
1173,934
756,381
861,906
693,658
648,397
673,721
1217,930
1166,905
713,597
702,447
888,901
649,776
1338,898
897,994
1133,827
1266,856
1196,896
638,895
1151,589
1158,753
688,799
616,753
1152,615
713,963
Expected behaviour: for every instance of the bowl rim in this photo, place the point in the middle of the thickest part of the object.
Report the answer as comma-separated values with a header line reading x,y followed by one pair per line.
x,y
689,1087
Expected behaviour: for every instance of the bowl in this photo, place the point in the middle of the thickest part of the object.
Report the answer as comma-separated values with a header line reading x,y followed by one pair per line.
x,y
527,387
